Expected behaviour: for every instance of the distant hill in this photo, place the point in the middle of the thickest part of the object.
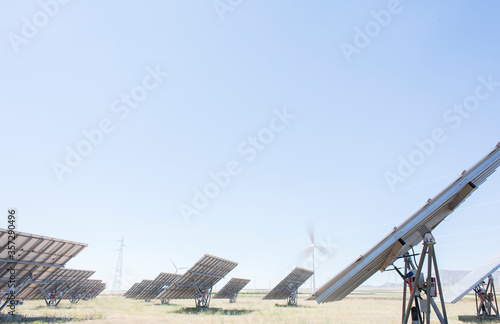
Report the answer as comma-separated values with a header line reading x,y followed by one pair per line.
x,y
392,285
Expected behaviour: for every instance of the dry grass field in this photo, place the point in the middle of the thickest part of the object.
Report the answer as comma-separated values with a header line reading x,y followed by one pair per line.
x,y
362,306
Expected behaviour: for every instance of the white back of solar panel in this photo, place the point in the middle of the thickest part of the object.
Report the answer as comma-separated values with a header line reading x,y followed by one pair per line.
x,y
472,279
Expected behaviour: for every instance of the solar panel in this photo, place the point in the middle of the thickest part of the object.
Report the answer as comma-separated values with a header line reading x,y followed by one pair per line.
x,y
60,285
231,289
287,288
90,288
139,288
130,290
136,290
232,286
36,258
96,290
198,281
410,233
473,279
155,287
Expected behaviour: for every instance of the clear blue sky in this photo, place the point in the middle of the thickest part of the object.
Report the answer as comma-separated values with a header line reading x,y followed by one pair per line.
x,y
355,114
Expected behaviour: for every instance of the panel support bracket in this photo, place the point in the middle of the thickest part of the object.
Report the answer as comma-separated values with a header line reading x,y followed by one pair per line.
x,y
416,306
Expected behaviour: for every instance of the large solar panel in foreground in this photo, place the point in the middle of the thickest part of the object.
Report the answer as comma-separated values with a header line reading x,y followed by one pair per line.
x,y
291,283
410,233
204,274
472,279
161,282
37,255
232,287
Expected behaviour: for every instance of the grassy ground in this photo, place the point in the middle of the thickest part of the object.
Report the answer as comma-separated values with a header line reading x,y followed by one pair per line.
x,y
362,306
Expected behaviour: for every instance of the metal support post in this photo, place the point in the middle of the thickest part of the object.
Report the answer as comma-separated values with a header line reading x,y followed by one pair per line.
x,y
292,298
203,296
422,312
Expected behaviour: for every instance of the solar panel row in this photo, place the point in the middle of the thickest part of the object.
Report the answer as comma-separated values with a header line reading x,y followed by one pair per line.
x,y
32,267
196,283
60,285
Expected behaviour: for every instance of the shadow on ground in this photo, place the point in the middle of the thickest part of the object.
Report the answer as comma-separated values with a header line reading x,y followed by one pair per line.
x,y
165,305
39,319
478,319
55,307
213,311
292,306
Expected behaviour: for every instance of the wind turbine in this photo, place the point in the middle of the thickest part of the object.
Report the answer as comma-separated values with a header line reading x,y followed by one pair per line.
x,y
177,269
310,251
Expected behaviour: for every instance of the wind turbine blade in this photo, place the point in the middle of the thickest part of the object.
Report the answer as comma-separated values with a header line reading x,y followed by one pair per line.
x,y
174,265
305,254
310,231
328,252
322,250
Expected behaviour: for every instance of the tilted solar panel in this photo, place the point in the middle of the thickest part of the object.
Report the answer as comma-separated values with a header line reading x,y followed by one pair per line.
x,y
159,284
136,290
410,233
291,283
36,257
63,281
233,287
130,290
204,275
90,288
472,279
97,290
139,288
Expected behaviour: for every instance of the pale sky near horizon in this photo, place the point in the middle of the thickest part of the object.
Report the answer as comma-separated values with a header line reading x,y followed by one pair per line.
x,y
300,110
